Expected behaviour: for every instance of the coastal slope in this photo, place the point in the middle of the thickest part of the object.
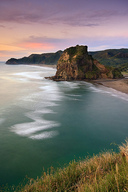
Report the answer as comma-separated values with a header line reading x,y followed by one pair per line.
x,y
104,172
76,64
45,58
112,57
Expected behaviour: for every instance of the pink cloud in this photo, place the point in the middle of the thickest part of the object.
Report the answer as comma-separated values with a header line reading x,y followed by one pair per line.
x,y
36,46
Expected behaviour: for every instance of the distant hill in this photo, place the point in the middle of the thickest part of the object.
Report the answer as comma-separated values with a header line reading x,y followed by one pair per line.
x,y
111,57
45,58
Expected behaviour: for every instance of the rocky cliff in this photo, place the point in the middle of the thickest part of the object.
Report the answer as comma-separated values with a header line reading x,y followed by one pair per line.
x,y
76,64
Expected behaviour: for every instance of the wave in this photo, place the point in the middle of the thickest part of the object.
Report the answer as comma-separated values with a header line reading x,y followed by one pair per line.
x,y
38,103
71,85
31,75
110,91
38,125
26,129
45,135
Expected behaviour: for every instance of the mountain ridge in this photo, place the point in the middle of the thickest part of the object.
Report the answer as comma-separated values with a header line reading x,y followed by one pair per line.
x,y
44,58
108,57
111,57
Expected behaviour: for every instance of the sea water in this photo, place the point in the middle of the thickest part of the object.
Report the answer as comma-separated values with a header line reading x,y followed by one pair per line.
x,y
44,123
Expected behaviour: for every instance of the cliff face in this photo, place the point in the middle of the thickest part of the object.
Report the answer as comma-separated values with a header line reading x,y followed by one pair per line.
x,y
76,64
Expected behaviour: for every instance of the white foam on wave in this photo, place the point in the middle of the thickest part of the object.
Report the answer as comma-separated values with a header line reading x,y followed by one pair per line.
x,y
30,75
49,86
95,89
31,104
39,100
42,67
38,125
71,85
45,135
75,99
19,79
46,96
43,94
110,91
38,104
26,129
41,111
71,95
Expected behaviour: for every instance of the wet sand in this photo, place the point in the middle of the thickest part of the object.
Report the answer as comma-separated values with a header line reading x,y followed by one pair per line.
x,y
118,84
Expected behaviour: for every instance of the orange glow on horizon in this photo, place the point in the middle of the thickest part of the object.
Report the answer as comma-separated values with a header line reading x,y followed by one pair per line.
x,y
38,46
22,49
9,48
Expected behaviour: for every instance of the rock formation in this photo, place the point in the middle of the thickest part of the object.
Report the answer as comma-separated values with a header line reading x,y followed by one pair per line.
x,y
76,64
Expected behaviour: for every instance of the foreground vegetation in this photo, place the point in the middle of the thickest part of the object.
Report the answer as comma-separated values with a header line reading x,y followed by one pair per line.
x,y
106,172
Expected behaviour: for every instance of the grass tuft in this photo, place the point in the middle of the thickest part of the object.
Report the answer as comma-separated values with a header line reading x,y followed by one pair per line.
x,y
101,173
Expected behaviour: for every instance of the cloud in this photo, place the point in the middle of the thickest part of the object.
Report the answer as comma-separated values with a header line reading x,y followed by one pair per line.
x,y
102,43
8,47
42,44
99,14
70,22
25,11
89,18
38,43
2,26
73,13
5,55
43,39
36,46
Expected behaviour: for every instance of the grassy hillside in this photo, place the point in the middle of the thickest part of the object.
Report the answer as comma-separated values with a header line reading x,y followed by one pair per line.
x,y
45,58
106,172
111,57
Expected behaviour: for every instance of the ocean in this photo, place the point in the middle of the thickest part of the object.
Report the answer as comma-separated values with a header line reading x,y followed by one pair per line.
x,y
46,124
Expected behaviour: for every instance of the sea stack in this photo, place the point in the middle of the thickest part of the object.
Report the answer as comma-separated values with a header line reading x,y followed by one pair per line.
x,y
76,64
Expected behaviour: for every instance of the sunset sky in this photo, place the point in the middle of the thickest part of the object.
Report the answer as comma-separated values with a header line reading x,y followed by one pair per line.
x,y
39,26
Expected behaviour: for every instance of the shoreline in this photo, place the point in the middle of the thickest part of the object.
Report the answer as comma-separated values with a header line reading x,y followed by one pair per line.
x,y
36,65
117,84
44,65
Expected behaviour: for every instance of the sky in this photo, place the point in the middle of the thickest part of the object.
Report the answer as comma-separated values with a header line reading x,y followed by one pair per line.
x,y
43,26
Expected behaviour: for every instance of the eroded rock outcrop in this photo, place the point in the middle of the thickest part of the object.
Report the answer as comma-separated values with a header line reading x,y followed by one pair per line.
x,y
76,64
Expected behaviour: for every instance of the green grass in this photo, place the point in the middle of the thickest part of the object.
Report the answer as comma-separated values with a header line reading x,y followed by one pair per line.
x,y
101,173
112,57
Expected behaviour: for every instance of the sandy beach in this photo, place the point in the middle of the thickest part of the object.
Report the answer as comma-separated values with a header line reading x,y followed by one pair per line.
x,y
118,84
